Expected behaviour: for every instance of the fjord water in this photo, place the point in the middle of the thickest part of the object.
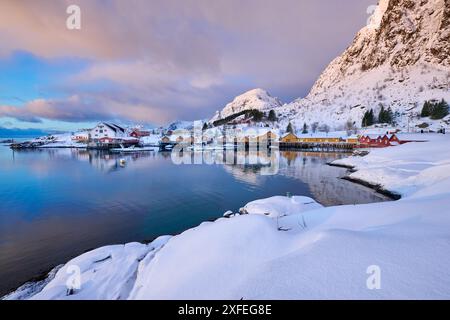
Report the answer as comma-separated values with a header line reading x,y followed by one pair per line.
x,y
58,203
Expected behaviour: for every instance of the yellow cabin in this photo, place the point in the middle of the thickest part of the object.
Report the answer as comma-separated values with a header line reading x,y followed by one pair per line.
x,y
290,138
268,136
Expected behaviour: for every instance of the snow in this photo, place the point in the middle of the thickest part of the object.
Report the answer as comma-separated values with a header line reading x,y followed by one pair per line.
x,y
151,140
63,140
375,19
277,207
294,248
105,273
257,99
389,63
406,168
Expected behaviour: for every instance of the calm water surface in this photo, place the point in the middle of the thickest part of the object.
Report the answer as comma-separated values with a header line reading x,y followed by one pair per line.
x,y
58,203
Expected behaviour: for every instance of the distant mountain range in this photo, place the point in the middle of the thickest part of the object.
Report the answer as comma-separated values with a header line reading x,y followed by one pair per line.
x,y
23,133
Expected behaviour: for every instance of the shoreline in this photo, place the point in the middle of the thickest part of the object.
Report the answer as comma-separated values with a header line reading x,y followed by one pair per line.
x,y
376,187
255,244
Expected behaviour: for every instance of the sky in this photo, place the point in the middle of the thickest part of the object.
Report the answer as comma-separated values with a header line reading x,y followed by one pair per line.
x,y
155,61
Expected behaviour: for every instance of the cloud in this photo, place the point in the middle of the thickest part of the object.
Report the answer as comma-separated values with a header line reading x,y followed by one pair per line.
x,y
74,109
165,59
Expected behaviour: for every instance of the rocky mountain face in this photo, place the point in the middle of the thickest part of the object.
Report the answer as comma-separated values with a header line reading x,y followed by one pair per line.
x,y
256,99
399,60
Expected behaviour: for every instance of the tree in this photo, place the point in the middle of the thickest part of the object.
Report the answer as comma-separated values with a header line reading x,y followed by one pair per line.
x,y
314,127
305,128
386,115
389,116
272,116
426,110
382,115
205,126
257,115
289,128
368,118
439,110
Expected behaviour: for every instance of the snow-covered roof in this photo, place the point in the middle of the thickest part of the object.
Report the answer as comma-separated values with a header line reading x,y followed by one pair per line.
x,y
318,135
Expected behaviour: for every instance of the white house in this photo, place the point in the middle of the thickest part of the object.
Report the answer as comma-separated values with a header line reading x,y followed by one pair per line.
x,y
80,136
107,130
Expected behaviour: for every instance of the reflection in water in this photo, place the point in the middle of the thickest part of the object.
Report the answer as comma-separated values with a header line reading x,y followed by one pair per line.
x,y
323,180
57,203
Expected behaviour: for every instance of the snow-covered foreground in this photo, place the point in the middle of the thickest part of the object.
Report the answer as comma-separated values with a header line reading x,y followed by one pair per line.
x,y
293,248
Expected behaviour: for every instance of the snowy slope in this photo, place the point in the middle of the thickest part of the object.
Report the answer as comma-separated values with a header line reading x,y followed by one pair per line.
x,y
400,59
257,99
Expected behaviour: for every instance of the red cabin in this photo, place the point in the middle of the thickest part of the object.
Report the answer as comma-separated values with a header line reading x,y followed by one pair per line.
x,y
378,141
395,140
136,133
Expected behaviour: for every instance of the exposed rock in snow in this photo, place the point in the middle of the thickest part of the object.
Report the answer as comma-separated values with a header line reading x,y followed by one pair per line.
x,y
29,289
399,60
257,99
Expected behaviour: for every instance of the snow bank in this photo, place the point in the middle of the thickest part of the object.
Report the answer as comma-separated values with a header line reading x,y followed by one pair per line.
x,y
106,273
407,168
293,248
281,206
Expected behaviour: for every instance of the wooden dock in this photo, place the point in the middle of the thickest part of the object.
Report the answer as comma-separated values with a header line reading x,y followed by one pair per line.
x,y
318,146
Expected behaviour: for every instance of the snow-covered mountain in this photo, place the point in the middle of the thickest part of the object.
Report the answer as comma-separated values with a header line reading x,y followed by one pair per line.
x,y
400,59
180,124
257,99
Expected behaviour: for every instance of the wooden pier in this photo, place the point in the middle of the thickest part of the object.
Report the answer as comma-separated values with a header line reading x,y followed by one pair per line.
x,y
318,146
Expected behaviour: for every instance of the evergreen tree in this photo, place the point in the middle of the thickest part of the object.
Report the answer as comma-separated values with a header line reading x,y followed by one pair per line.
x,y
205,126
364,119
305,128
382,115
389,116
257,115
439,110
368,118
426,110
289,128
272,116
